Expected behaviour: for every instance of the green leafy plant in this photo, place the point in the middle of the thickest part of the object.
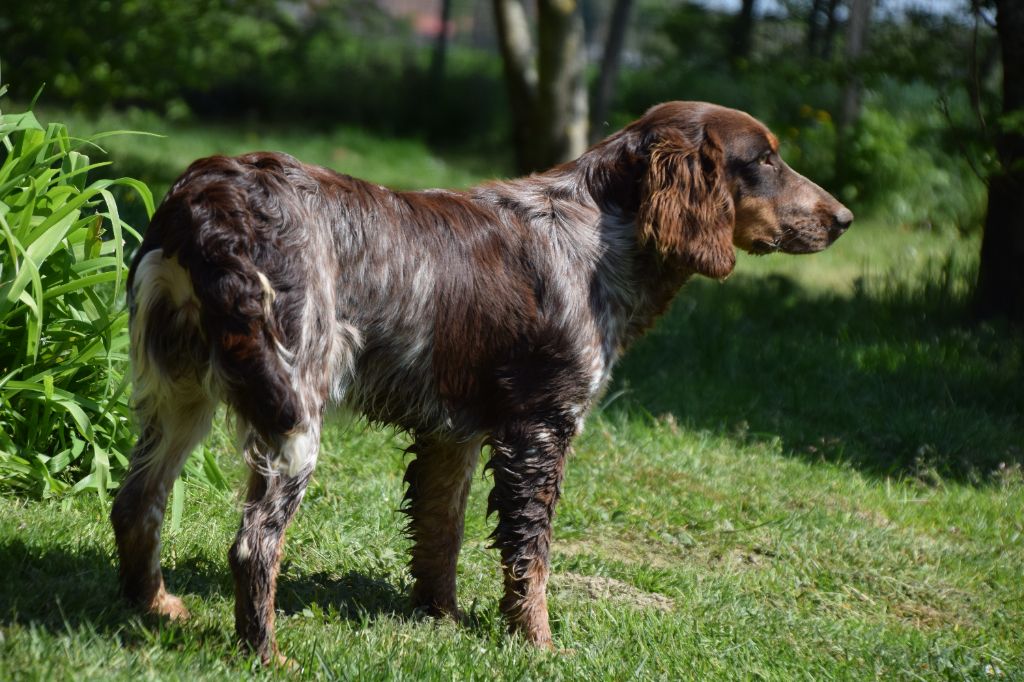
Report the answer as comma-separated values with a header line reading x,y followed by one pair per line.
x,y
64,413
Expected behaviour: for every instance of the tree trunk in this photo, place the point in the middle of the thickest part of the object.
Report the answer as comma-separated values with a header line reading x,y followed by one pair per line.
x,y
856,34
610,62
742,29
520,80
1000,290
814,26
437,60
548,99
561,64
831,22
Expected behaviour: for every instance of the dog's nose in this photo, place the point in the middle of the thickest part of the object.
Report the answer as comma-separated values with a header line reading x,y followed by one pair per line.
x,y
843,217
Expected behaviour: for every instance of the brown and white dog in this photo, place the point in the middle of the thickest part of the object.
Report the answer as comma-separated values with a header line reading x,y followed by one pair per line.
x,y
491,316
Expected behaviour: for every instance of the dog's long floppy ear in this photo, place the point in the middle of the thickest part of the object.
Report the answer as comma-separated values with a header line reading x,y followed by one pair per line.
x,y
686,208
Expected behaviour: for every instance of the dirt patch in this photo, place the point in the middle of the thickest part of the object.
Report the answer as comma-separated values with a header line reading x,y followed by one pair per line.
x,y
666,557
639,552
742,557
597,587
925,616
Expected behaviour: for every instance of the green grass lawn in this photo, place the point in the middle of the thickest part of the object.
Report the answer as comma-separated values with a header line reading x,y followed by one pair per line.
x,y
811,471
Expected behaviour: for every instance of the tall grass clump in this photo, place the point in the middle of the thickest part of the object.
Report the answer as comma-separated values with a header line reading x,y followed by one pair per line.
x,y
64,414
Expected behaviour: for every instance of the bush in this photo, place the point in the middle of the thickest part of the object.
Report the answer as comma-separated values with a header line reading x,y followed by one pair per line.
x,y
901,164
138,52
63,386
319,64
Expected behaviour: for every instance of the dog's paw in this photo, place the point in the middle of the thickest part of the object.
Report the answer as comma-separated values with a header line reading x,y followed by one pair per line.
x,y
440,609
169,606
544,644
282,662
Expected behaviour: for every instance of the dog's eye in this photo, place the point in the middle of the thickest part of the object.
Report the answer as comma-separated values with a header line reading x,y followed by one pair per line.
x,y
766,159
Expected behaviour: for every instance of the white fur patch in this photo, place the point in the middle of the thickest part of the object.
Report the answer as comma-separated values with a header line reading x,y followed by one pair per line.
x,y
269,295
298,452
175,412
156,274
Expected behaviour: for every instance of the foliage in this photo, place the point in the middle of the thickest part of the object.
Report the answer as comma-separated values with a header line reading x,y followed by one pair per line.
x,y
900,159
64,412
63,389
365,68
150,52
319,64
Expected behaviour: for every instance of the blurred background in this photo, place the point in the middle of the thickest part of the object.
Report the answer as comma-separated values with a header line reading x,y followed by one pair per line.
x,y
882,101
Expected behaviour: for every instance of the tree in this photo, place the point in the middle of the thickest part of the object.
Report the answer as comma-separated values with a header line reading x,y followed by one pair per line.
x,y
853,84
819,41
742,28
610,61
1000,288
437,59
547,91
856,37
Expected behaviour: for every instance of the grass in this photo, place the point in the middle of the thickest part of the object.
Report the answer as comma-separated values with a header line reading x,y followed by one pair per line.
x,y
811,471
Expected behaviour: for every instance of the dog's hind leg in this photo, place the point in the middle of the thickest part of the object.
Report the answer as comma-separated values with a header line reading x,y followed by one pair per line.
x,y
168,435
280,473
439,480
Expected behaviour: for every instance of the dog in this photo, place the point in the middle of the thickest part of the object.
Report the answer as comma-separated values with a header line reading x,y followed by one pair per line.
x,y
491,316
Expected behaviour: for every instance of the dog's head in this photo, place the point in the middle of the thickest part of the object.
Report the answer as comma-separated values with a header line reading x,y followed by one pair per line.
x,y
714,180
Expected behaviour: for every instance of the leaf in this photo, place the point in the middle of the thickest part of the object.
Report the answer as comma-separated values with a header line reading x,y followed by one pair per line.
x,y
34,252
100,470
212,470
115,223
75,169
10,123
79,416
177,504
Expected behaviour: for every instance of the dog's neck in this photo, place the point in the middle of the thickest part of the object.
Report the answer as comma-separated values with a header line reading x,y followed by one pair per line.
x,y
639,282
629,284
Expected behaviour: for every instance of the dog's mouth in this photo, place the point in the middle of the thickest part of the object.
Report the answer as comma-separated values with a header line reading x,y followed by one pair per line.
x,y
762,247
805,239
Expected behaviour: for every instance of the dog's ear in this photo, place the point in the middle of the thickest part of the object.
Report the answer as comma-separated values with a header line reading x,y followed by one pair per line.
x,y
686,208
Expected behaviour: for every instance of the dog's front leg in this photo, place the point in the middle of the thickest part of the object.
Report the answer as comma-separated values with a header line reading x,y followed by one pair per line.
x,y
439,480
528,460
276,485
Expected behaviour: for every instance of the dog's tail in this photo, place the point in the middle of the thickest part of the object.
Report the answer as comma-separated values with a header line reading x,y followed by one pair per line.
x,y
202,311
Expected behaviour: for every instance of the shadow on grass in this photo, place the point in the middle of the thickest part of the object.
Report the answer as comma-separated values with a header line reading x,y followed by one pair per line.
x,y
894,383
58,588
355,596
